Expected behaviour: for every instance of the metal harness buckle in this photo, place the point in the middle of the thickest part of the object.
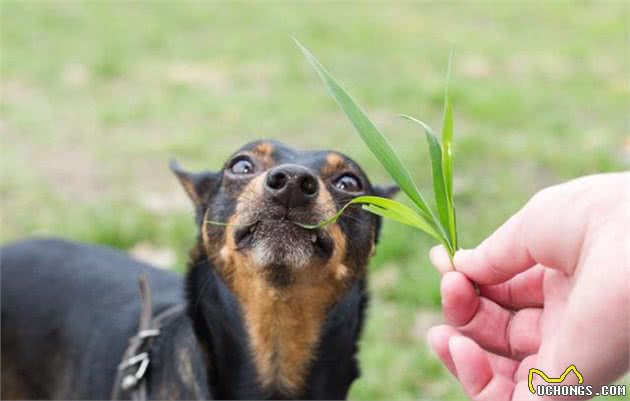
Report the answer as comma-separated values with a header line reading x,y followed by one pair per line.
x,y
130,380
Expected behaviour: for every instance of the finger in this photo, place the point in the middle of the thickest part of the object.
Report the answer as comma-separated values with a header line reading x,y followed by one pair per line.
x,y
512,334
498,258
459,299
438,338
522,291
440,259
526,364
502,365
521,389
475,373
522,393
515,335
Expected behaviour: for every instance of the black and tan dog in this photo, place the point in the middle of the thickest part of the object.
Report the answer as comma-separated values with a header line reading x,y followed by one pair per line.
x,y
272,310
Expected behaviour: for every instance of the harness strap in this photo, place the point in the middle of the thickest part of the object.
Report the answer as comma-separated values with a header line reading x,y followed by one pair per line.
x,y
136,358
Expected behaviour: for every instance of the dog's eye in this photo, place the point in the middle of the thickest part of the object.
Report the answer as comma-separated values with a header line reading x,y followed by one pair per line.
x,y
242,165
349,183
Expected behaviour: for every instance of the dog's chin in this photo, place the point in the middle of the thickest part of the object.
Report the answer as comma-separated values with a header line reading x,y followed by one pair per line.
x,y
283,245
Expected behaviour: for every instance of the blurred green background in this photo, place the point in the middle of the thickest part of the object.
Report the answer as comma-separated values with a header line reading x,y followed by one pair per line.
x,y
96,97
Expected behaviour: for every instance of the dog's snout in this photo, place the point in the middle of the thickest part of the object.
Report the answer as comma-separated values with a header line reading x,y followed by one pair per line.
x,y
292,185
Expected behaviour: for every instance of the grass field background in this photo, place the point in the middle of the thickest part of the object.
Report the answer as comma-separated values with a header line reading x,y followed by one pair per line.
x,y
97,96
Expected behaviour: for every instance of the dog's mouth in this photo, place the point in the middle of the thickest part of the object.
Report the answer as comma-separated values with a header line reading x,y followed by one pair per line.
x,y
283,242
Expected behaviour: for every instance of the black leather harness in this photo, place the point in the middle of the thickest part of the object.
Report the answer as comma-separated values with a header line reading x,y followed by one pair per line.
x,y
130,376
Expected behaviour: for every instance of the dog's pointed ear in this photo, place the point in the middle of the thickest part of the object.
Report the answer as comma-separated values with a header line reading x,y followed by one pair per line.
x,y
197,185
386,191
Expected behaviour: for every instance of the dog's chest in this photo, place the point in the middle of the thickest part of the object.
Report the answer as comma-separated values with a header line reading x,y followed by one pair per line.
x,y
283,331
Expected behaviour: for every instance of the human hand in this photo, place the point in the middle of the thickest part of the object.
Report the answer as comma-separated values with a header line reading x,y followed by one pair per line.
x,y
553,291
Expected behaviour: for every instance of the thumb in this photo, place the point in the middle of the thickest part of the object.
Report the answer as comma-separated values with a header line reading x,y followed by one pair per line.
x,y
549,230
500,257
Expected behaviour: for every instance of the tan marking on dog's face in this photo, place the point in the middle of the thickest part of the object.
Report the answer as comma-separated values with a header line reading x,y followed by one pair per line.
x,y
264,149
334,164
340,270
264,152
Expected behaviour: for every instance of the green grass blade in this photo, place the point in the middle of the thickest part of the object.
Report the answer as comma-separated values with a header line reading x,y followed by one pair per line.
x,y
387,213
387,208
447,156
332,219
447,132
406,214
404,211
393,215
439,188
370,135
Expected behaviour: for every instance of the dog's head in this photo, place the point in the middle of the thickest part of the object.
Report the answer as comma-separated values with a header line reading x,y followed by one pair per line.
x,y
249,213
285,277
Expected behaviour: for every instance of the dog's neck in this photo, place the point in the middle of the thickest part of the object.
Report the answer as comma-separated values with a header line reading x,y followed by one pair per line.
x,y
260,345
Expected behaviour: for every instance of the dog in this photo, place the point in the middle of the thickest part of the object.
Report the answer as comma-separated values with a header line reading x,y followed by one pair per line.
x,y
268,309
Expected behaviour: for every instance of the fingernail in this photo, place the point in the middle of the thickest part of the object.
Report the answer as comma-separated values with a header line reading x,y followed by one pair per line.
x,y
456,342
440,259
434,251
460,256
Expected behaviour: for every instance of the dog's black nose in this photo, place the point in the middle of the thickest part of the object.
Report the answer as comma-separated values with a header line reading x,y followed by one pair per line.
x,y
292,185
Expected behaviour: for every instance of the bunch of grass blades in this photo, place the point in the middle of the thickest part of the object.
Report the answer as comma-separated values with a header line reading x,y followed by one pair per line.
x,y
442,226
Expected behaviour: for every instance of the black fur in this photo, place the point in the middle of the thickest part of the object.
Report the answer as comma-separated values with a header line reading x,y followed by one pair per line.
x,y
68,310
